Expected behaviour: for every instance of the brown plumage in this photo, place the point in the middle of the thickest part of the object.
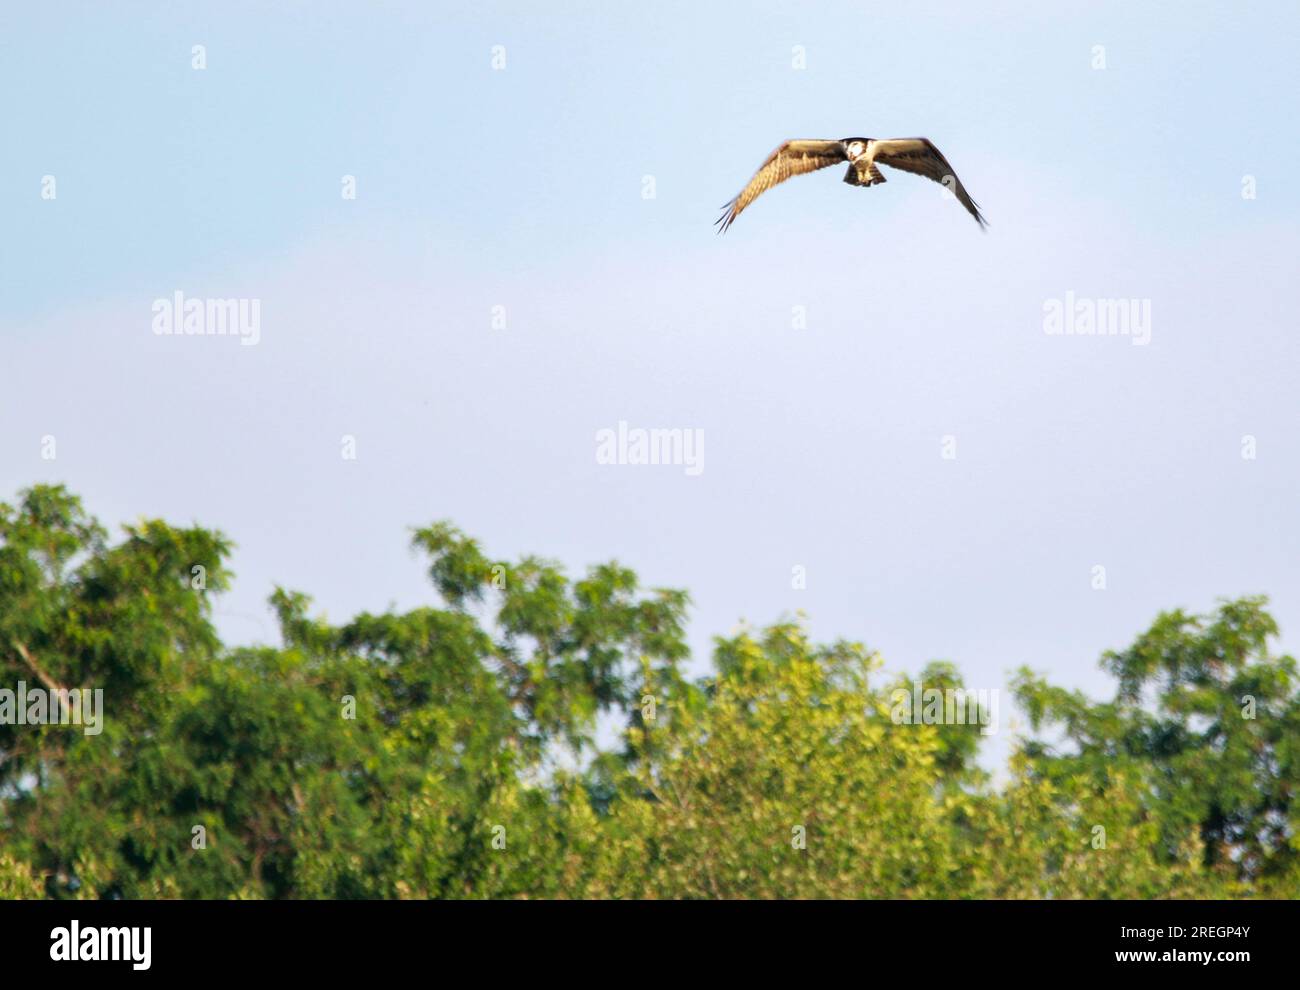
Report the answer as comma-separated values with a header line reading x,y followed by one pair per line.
x,y
916,155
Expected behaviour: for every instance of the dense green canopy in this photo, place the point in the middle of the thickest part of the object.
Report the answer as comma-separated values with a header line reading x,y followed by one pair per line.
x,y
451,751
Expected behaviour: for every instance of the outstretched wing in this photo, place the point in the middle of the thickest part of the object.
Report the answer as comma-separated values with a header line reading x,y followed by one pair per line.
x,y
792,158
920,157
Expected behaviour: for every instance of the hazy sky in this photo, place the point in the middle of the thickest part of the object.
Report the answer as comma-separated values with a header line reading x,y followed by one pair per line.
x,y
525,188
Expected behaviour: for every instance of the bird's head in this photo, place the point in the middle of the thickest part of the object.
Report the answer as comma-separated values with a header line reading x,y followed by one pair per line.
x,y
855,146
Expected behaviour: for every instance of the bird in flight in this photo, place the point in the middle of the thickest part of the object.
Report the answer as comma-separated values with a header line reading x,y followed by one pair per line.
x,y
915,155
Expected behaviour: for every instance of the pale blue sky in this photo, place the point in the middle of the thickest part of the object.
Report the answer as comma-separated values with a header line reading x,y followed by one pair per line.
x,y
522,188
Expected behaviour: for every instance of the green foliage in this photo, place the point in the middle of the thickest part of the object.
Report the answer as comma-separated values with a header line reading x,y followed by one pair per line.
x,y
1210,718
791,783
16,881
451,751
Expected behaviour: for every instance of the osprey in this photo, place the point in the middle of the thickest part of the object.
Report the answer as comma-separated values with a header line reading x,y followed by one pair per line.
x,y
916,155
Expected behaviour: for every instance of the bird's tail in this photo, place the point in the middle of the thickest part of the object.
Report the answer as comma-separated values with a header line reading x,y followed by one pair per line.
x,y
869,176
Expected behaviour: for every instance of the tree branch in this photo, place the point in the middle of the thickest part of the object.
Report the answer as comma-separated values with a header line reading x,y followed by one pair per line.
x,y
49,682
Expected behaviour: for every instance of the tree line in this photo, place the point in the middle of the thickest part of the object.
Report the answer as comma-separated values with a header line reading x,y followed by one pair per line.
x,y
452,751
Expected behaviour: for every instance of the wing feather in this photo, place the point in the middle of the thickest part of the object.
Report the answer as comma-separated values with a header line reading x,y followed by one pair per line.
x,y
791,158
920,157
